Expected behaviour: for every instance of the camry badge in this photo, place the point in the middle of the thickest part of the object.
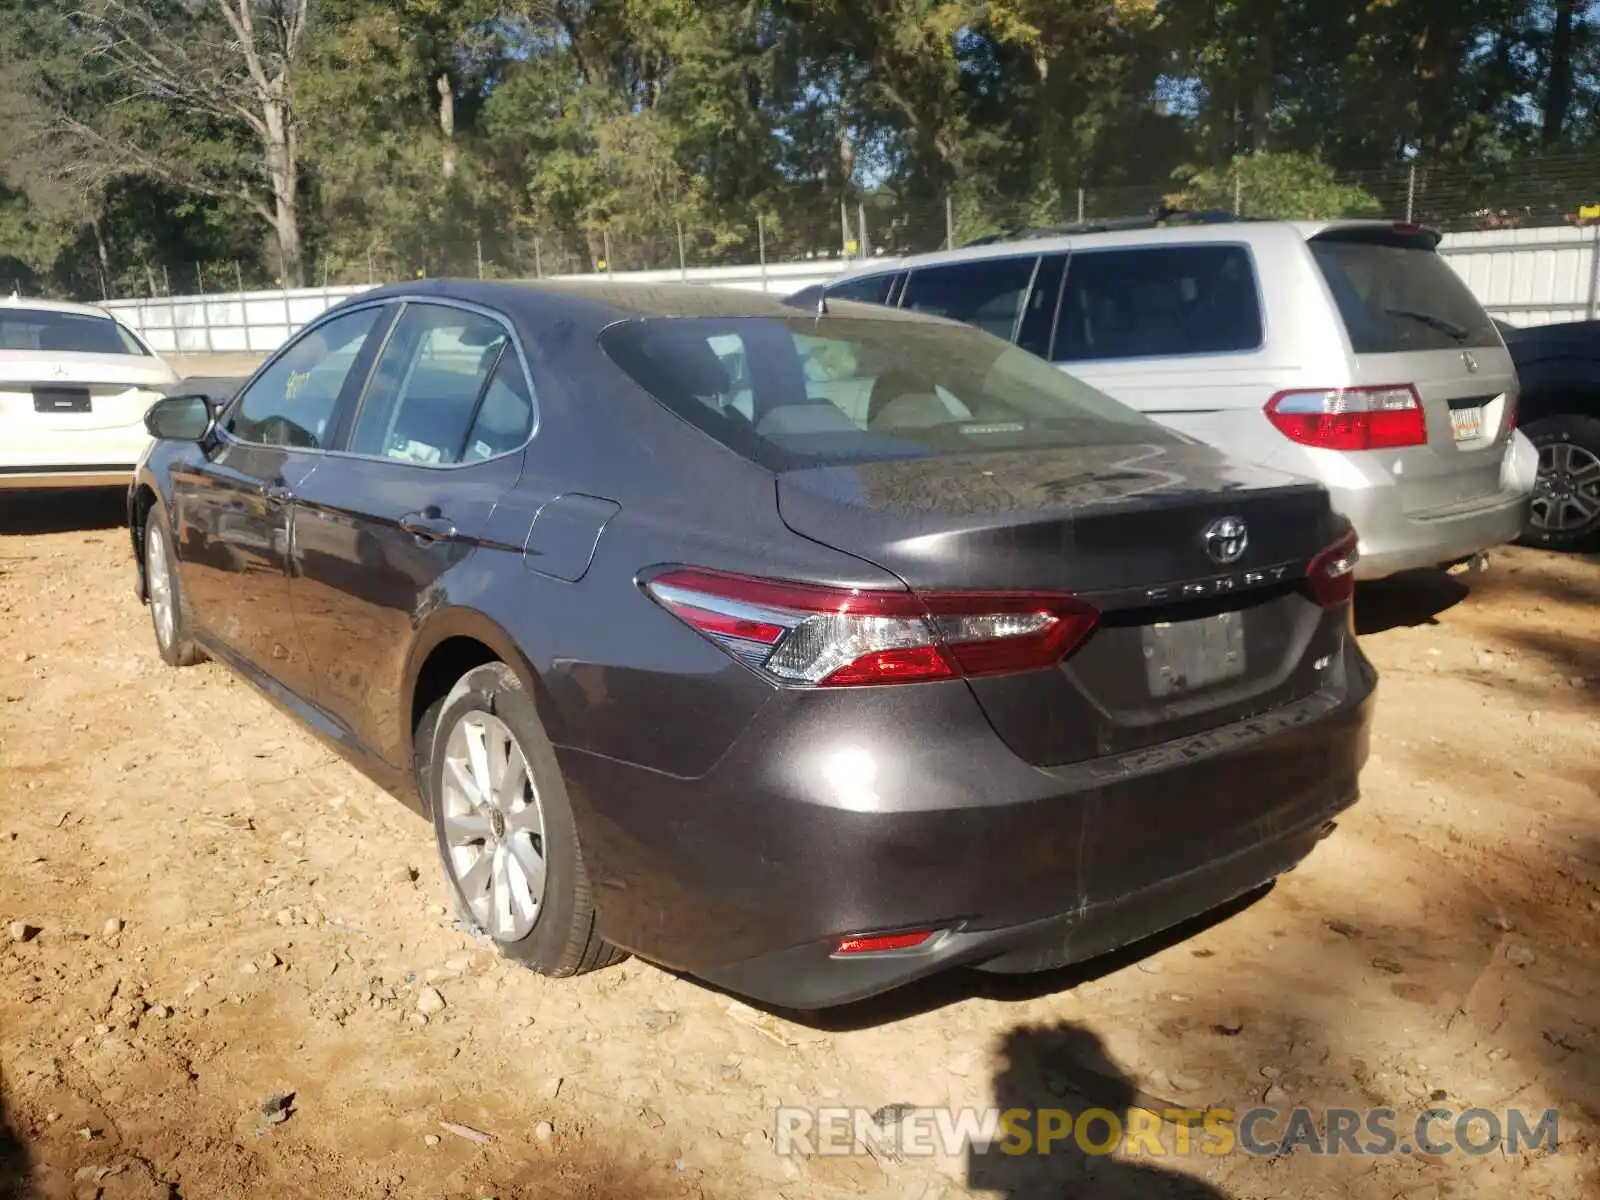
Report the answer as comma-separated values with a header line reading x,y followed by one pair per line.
x,y
1225,539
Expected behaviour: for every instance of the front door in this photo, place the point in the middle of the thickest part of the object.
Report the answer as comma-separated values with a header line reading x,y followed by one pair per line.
x,y
234,511
435,444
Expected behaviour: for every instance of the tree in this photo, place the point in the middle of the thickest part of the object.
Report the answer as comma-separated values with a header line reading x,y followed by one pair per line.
x,y
1279,186
199,96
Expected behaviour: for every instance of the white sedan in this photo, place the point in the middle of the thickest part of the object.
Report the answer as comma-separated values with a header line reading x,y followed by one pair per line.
x,y
74,387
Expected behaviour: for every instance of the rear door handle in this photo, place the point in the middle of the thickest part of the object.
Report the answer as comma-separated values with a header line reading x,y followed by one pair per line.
x,y
429,525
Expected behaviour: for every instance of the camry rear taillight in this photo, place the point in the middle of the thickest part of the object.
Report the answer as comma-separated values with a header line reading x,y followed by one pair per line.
x,y
1332,573
807,635
1355,418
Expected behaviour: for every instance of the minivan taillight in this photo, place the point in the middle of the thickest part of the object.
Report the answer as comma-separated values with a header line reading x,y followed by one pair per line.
x,y
802,634
1353,418
1332,573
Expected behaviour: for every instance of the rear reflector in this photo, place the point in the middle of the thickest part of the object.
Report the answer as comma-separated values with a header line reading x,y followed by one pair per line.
x,y
841,637
877,943
1363,418
1332,573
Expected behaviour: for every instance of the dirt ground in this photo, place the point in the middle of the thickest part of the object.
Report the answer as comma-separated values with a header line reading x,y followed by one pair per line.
x,y
225,912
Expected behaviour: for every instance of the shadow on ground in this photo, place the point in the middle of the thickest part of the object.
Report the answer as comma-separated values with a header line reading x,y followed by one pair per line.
x,y
14,1167
1064,1069
1408,599
62,512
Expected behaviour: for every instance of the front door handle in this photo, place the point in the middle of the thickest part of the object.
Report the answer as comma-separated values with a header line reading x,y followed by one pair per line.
x,y
430,525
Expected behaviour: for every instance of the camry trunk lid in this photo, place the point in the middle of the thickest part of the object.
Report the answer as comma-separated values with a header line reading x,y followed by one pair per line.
x,y
1199,625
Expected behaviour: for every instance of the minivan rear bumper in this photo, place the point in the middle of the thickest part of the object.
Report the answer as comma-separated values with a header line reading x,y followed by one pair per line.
x,y
1393,541
894,809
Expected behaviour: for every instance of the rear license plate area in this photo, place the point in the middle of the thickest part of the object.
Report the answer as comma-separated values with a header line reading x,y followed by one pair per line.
x,y
1180,656
61,400
1466,424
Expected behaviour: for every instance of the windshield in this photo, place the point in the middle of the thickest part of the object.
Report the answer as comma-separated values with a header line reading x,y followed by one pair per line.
x,y
70,333
1395,298
803,391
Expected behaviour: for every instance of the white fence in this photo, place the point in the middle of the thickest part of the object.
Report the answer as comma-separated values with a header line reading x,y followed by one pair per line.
x,y
258,322
1531,276
1525,276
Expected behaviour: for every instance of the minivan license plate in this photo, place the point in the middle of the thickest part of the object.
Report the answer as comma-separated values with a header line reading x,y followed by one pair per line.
x,y
1466,423
1180,656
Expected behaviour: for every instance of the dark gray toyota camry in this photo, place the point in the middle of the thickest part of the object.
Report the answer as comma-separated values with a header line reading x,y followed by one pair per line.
x,y
806,652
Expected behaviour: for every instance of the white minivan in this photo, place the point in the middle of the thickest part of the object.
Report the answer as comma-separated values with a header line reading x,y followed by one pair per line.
x,y
1347,351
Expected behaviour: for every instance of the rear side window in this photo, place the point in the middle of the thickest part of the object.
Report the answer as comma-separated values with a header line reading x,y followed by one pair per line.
x,y
1395,297
1158,301
64,333
985,292
809,391
446,389
869,289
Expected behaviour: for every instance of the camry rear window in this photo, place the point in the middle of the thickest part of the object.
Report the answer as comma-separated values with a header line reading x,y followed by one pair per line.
x,y
810,391
1397,297
70,333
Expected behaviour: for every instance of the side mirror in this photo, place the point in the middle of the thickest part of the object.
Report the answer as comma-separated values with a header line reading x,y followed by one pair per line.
x,y
180,418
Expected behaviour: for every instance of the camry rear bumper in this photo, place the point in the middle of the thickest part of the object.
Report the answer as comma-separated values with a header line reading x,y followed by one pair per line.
x,y
880,810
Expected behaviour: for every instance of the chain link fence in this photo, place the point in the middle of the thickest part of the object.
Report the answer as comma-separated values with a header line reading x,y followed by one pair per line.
x,y
1549,190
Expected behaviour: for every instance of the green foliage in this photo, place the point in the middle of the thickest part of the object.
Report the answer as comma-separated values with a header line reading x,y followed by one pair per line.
x,y
1287,186
429,135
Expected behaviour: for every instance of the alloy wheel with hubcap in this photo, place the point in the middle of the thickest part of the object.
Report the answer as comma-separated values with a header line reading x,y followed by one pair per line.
x,y
504,825
1566,495
493,826
158,581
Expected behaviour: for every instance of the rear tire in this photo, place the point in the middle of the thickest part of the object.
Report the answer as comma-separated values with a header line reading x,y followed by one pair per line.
x,y
169,614
504,826
1568,484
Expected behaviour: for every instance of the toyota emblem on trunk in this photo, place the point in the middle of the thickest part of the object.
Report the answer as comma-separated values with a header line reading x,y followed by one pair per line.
x,y
1225,539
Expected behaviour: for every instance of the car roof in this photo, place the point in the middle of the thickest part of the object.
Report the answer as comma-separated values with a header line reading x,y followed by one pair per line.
x,y
15,301
604,302
1233,232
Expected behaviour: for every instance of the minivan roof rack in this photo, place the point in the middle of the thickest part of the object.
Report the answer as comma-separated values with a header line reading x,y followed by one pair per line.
x,y
1154,219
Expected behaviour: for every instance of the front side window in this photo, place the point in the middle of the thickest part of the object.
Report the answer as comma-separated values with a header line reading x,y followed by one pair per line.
x,y
793,392
986,292
292,402
867,289
1158,301
448,388
64,333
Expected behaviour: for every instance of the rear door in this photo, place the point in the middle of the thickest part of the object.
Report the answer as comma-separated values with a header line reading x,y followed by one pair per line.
x,y
436,441
1411,320
1175,330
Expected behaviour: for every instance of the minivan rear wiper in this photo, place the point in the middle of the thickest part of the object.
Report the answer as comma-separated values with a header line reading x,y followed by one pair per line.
x,y
1443,325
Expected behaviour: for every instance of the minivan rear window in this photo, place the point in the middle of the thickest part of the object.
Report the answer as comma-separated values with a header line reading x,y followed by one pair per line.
x,y
817,391
1396,297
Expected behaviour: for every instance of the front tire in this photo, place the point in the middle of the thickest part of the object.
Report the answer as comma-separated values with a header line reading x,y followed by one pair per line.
x,y
1565,510
504,825
168,614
